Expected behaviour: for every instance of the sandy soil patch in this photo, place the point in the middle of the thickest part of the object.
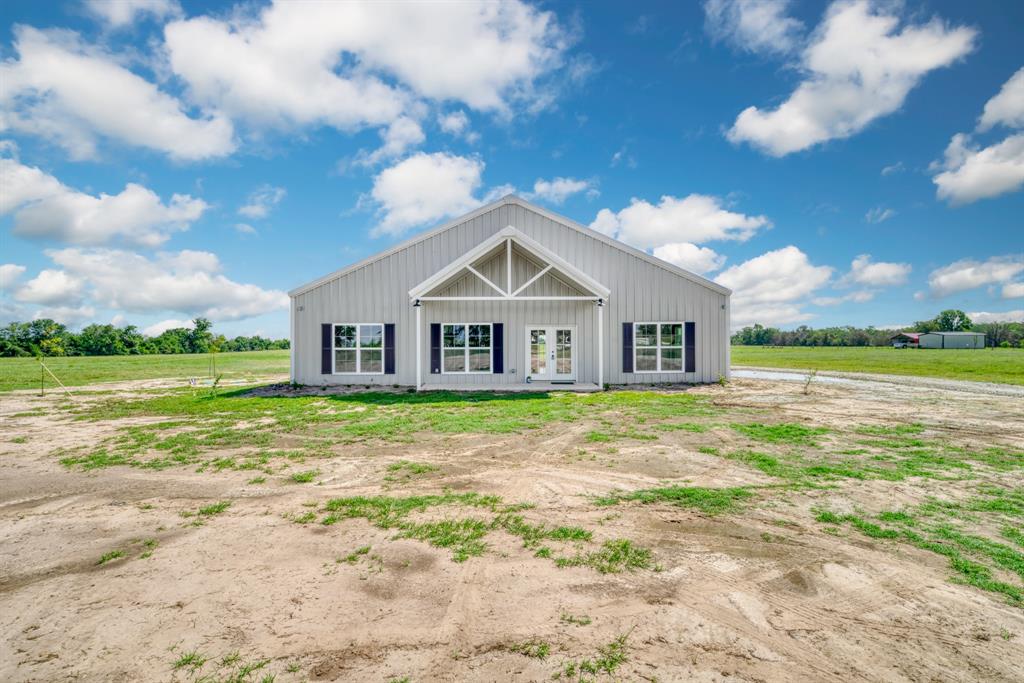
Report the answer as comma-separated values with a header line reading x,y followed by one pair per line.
x,y
757,594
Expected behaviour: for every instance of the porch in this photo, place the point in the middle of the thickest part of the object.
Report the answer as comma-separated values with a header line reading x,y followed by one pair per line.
x,y
522,387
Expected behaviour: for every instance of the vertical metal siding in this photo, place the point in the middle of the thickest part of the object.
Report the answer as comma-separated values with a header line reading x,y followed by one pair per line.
x,y
641,291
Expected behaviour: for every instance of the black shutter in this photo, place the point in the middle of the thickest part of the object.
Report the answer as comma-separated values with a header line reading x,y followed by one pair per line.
x,y
691,347
389,348
325,348
627,347
435,348
497,348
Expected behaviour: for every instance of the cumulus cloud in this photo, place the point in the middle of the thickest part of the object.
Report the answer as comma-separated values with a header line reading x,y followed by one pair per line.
x,y
45,208
1001,317
771,288
689,256
156,329
72,316
864,271
972,172
360,63
968,274
859,66
402,134
753,25
50,287
891,169
879,214
120,13
189,282
262,200
71,93
557,190
10,273
425,188
245,229
1007,107
695,218
858,297
456,123
1013,290
968,171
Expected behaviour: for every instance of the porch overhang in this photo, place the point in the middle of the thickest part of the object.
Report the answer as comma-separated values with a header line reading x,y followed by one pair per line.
x,y
504,240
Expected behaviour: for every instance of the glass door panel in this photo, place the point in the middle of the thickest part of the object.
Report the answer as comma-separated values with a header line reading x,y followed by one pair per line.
x,y
538,339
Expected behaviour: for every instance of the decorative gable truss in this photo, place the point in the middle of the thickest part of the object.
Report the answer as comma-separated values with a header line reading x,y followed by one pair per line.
x,y
496,266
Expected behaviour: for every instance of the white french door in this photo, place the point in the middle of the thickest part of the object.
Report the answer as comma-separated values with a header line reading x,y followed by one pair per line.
x,y
550,352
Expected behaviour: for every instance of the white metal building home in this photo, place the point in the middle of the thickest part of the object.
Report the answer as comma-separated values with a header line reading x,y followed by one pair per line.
x,y
510,296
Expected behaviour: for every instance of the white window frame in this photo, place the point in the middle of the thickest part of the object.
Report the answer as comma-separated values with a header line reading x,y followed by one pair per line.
x,y
659,347
466,348
358,348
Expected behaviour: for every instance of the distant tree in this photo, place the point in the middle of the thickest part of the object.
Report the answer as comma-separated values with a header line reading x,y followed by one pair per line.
x,y
952,320
200,338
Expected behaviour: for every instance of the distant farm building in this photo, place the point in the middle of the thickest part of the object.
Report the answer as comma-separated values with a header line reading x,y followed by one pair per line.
x,y
952,340
905,340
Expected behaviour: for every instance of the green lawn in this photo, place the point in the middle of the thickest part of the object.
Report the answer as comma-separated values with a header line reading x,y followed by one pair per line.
x,y
23,373
983,365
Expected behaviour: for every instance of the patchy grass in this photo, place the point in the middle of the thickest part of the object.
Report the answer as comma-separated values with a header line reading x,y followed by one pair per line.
x,y
111,556
229,668
304,477
405,471
980,365
582,620
534,647
939,527
353,557
786,433
607,660
712,501
614,556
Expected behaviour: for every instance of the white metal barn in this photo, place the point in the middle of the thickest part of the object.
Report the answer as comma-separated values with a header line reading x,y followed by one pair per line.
x,y
510,297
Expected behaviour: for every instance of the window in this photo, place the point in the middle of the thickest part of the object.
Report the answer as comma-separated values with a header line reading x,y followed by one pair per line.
x,y
658,347
359,348
466,347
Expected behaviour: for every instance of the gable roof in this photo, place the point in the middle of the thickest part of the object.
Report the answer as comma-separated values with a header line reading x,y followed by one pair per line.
x,y
531,246
513,199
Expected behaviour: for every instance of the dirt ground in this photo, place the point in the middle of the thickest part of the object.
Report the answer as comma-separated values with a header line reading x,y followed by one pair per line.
x,y
759,594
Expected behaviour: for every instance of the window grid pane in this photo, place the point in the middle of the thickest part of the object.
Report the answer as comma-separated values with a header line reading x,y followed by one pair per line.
x,y
371,336
345,360
646,360
658,347
345,336
454,336
646,335
370,360
454,360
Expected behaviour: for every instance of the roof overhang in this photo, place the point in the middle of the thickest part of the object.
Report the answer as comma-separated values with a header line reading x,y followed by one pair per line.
x,y
507,237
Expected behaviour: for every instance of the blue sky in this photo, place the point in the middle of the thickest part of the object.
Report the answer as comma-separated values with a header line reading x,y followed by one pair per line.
x,y
845,163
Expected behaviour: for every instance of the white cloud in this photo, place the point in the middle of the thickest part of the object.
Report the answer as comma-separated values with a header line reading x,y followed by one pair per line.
x,y
969,274
1003,317
858,297
156,329
425,188
46,208
859,67
454,123
1013,290
188,282
1007,107
753,25
695,218
245,229
877,274
973,173
50,287
771,288
402,134
262,200
361,63
893,168
879,214
557,190
119,13
9,275
72,316
690,257
71,93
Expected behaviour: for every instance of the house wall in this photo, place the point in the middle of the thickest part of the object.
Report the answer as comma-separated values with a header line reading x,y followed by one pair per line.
x,y
640,292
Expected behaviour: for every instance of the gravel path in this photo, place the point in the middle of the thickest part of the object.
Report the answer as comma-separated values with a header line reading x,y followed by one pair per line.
x,y
865,379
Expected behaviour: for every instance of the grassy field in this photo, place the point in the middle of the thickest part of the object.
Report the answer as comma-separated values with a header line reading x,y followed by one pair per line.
x,y
23,373
987,365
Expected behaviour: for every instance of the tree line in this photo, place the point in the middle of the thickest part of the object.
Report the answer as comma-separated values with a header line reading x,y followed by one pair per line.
x,y
996,334
46,337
